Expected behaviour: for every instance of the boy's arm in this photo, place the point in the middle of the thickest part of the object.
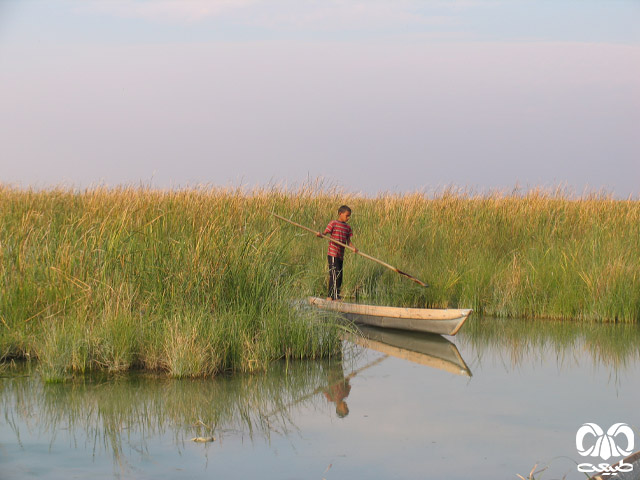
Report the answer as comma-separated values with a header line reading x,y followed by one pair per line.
x,y
327,230
353,247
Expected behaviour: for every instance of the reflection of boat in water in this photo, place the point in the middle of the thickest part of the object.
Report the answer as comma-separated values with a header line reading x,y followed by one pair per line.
x,y
440,321
418,347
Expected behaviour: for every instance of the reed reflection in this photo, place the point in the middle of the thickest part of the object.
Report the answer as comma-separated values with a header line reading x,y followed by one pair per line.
x,y
518,341
107,413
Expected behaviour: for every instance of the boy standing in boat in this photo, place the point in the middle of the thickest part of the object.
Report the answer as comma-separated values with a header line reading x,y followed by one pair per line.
x,y
338,230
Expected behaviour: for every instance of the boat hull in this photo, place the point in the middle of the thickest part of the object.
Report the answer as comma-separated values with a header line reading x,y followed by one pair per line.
x,y
440,321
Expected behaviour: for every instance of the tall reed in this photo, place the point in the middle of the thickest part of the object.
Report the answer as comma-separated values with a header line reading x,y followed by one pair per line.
x,y
200,281
536,255
190,282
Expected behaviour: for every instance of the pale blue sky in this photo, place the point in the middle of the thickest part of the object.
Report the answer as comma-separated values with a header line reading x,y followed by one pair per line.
x,y
370,96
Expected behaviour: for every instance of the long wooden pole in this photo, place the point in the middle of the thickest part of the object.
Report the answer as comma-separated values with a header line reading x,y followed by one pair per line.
x,y
354,250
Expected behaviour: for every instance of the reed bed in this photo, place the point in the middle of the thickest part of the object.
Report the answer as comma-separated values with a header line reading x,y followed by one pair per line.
x,y
199,281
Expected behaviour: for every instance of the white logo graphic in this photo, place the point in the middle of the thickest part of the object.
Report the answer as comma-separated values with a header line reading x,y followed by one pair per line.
x,y
605,445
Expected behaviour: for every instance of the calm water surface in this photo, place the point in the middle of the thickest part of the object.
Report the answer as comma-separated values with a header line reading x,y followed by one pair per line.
x,y
490,403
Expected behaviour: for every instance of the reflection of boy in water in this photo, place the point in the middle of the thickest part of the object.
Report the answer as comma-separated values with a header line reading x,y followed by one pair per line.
x,y
338,390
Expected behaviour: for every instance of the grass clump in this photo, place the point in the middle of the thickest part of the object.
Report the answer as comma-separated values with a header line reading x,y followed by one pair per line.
x,y
198,282
193,283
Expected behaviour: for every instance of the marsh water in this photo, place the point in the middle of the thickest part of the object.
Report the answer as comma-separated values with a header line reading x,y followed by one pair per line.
x,y
492,402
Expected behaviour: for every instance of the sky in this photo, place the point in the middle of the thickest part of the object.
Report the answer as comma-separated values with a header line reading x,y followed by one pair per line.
x,y
368,96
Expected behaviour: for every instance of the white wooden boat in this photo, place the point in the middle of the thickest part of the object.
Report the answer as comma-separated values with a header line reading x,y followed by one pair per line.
x,y
428,349
441,321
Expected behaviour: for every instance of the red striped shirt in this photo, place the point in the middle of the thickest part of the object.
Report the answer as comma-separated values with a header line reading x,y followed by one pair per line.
x,y
341,232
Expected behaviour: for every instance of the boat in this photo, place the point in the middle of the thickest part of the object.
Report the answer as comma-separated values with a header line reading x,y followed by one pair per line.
x,y
428,349
441,321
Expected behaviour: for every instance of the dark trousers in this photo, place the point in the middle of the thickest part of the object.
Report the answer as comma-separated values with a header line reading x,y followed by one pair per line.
x,y
335,277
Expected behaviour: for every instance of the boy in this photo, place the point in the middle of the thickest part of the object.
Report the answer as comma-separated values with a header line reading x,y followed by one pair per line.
x,y
340,231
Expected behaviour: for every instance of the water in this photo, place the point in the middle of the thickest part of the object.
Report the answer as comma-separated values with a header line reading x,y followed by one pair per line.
x,y
500,399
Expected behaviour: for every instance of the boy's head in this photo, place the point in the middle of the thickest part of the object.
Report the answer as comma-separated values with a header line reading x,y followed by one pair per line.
x,y
344,214
342,409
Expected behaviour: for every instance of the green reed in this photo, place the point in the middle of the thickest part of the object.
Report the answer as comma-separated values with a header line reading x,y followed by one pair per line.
x,y
193,283
197,282
534,255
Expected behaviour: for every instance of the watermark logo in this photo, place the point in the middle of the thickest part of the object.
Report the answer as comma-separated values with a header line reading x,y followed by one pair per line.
x,y
591,440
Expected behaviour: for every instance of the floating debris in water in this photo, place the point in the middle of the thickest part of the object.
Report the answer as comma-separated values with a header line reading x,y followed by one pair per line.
x,y
203,439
